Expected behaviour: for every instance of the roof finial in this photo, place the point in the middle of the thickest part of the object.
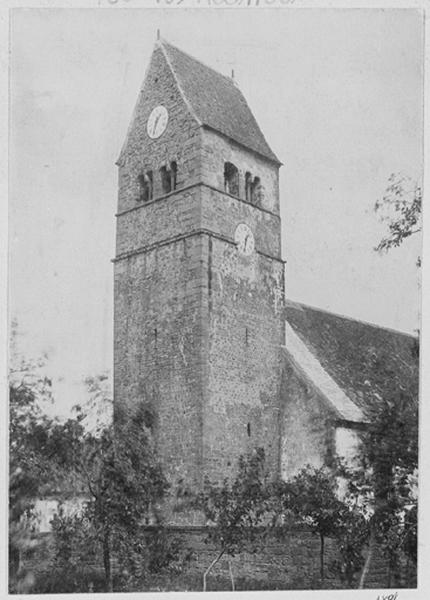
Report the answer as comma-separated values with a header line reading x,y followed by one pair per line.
x,y
158,34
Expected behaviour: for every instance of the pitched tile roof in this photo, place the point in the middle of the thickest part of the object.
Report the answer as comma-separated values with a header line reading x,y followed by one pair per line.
x,y
366,361
297,351
216,101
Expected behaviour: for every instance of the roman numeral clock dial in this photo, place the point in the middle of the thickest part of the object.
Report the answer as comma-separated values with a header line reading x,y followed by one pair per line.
x,y
244,239
157,122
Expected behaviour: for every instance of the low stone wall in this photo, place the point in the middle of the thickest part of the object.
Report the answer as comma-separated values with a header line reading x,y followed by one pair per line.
x,y
292,562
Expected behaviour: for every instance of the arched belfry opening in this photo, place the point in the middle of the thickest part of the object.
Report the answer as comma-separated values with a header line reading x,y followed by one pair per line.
x,y
255,191
166,183
173,174
231,179
248,186
168,176
145,186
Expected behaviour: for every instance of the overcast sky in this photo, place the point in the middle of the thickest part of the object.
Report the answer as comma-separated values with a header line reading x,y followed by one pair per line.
x,y
337,93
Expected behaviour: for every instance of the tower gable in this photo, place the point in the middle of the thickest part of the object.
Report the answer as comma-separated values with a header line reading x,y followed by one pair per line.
x,y
179,144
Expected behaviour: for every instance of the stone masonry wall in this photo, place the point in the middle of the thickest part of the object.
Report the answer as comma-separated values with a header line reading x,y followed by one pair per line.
x,y
308,433
198,327
158,293
245,308
180,142
245,302
287,563
216,150
222,213
158,348
173,215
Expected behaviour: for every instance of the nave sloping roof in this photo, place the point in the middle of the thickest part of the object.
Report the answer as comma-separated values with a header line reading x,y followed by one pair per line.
x,y
367,362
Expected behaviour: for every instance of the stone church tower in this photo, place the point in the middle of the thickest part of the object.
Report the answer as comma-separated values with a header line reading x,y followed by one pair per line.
x,y
199,280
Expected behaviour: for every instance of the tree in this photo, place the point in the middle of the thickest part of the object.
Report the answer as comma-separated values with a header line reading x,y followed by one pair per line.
x,y
389,453
311,498
30,468
234,510
400,209
351,536
385,478
29,428
391,449
43,458
116,469
34,466
97,414
314,498
123,482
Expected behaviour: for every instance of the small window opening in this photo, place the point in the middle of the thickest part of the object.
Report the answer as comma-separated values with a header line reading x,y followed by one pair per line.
x,y
173,174
256,191
246,336
248,429
248,186
166,180
146,187
231,179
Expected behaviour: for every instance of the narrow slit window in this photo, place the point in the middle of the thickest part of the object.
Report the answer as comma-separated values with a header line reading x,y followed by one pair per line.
x,y
151,184
248,429
173,174
248,186
166,180
231,179
256,191
145,186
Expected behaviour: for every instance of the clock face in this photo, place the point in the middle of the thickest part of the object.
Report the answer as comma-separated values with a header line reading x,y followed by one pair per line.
x,y
244,239
157,122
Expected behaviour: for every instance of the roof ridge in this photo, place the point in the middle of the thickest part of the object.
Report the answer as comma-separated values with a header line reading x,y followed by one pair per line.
x,y
301,306
163,41
178,83
249,135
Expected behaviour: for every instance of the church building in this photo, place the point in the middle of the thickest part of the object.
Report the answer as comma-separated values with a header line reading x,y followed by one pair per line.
x,y
204,337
